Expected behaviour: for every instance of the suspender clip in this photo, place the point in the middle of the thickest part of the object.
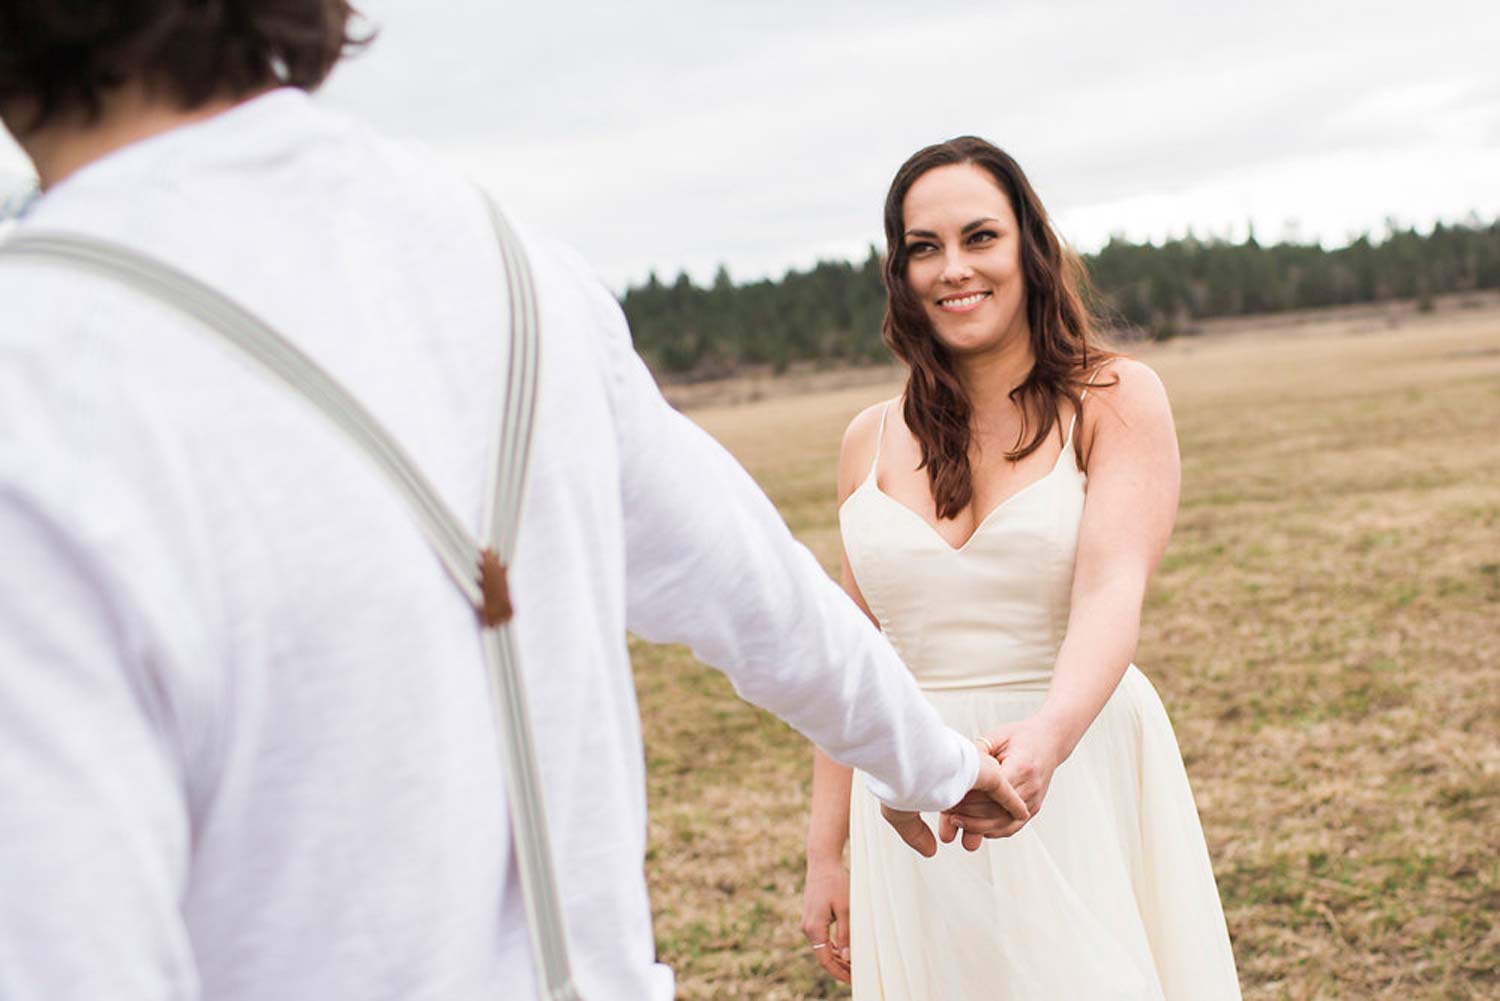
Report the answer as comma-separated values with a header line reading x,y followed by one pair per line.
x,y
494,585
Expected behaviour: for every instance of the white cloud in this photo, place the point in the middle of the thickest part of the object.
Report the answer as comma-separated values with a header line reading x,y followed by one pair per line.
x,y
674,136
666,135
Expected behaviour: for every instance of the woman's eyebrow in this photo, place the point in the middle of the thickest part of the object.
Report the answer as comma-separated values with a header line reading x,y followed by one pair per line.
x,y
930,235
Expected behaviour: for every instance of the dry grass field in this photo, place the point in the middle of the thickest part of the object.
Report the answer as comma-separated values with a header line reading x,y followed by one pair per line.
x,y
1325,631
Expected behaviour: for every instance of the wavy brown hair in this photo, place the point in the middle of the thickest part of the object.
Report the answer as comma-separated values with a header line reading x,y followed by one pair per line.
x,y
1063,341
65,58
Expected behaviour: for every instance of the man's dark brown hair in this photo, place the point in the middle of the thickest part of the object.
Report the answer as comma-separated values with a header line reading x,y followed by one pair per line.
x,y
63,57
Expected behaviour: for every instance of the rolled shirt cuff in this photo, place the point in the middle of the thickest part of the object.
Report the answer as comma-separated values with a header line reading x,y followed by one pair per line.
x,y
958,780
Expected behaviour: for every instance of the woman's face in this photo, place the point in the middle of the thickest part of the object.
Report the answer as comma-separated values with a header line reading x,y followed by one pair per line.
x,y
963,263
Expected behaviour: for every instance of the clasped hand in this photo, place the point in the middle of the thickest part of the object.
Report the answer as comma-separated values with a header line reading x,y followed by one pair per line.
x,y
1015,770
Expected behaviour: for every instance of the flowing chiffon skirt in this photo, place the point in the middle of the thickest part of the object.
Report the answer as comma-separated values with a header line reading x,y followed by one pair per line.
x,y
1106,895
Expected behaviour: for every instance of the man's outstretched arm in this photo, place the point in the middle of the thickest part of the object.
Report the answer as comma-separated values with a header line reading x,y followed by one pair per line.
x,y
711,564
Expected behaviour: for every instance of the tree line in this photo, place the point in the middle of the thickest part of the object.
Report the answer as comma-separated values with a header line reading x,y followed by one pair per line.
x,y
832,313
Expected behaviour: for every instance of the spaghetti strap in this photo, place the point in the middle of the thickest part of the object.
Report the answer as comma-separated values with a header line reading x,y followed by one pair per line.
x,y
1081,397
879,438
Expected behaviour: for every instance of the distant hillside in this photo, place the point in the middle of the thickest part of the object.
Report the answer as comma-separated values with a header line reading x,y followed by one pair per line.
x,y
832,313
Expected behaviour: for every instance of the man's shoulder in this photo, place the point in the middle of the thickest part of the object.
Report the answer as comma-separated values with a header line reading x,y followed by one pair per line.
x,y
574,296
46,311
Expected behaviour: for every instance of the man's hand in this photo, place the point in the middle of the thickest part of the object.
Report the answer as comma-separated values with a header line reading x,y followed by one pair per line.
x,y
1003,809
912,828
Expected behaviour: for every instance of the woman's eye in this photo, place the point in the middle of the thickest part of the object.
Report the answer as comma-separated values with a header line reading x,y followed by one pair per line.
x,y
918,248
983,236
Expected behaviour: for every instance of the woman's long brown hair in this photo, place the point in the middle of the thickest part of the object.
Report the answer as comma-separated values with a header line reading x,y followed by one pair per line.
x,y
1063,341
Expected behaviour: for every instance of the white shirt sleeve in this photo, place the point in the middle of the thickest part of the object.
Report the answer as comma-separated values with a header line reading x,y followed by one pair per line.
x,y
710,564
93,823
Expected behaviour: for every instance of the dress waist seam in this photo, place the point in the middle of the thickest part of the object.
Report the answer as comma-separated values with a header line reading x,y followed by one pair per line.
x,y
1037,682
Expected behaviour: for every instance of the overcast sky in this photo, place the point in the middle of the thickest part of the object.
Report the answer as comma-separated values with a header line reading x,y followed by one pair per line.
x,y
762,135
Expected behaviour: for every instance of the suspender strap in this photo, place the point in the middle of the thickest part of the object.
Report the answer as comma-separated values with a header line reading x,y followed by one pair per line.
x,y
476,568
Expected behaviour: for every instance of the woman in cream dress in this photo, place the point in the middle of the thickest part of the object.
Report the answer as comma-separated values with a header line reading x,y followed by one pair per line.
x,y
1000,522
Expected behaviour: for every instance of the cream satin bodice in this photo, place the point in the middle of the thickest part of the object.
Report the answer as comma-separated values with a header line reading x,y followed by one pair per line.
x,y
990,612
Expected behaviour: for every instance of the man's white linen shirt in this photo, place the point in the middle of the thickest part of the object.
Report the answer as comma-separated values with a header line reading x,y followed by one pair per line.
x,y
246,751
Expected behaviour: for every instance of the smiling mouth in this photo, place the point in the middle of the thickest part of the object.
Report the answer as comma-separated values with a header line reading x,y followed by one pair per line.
x,y
962,303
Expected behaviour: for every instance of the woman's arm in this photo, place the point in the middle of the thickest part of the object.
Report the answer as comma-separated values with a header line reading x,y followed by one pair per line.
x,y
825,894
825,911
1134,475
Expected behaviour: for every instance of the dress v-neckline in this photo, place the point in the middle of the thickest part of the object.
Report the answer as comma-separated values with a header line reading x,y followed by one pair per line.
x,y
873,483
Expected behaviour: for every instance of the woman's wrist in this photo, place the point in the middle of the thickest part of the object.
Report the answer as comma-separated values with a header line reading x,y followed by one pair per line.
x,y
1059,731
824,858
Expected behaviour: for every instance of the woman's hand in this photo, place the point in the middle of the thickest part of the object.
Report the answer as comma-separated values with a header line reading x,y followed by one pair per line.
x,y
1028,752
825,916
992,808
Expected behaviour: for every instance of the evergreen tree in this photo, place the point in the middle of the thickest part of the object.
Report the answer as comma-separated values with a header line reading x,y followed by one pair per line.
x,y
833,312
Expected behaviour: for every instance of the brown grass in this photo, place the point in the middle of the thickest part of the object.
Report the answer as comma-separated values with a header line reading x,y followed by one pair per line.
x,y
1325,631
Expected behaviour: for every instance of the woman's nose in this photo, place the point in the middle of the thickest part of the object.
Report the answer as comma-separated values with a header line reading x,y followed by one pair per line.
x,y
956,269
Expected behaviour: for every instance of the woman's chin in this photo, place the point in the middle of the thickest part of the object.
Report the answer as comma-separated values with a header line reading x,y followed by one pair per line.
x,y
973,336
969,343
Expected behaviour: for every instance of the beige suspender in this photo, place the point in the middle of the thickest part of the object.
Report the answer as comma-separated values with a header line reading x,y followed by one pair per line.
x,y
477,567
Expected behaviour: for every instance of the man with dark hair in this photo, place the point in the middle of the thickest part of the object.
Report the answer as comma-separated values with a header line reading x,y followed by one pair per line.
x,y
65,58
245,745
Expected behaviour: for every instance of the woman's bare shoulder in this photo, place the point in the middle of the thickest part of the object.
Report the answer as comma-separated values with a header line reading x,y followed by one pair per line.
x,y
857,450
1128,398
1129,386
861,432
